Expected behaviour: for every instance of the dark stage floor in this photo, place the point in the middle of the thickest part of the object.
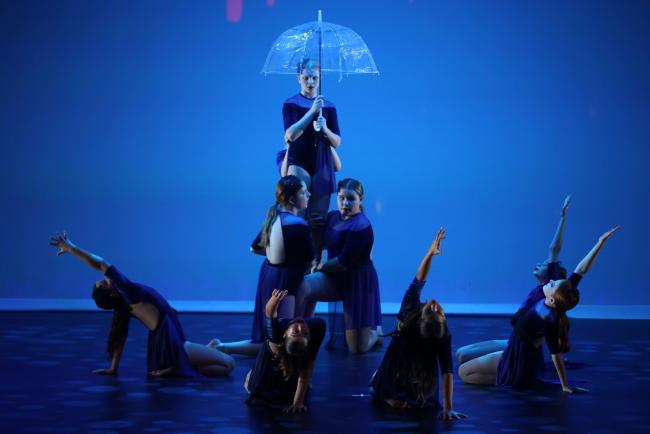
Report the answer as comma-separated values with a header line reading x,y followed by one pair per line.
x,y
47,385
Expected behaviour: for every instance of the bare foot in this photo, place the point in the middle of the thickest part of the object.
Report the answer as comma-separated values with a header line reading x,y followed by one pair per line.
x,y
168,372
218,345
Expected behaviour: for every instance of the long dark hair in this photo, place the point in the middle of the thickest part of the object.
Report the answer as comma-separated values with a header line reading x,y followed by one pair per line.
x,y
106,299
291,357
566,298
351,184
421,333
286,188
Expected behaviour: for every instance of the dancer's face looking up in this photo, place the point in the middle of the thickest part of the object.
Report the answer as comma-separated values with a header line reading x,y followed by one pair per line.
x,y
349,202
559,293
309,79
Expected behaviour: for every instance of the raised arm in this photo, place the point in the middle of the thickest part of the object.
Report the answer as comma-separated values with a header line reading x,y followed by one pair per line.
x,y
585,265
66,246
274,334
556,242
434,250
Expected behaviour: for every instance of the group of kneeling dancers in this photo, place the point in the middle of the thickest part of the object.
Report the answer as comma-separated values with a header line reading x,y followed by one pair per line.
x,y
295,275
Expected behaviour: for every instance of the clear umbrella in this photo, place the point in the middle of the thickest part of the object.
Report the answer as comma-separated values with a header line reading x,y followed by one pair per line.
x,y
338,49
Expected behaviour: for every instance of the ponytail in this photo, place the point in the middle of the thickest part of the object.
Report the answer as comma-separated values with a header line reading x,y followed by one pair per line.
x,y
271,215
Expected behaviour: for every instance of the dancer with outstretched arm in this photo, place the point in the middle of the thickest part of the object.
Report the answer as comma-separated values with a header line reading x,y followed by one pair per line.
x,y
168,352
420,347
285,364
285,242
542,317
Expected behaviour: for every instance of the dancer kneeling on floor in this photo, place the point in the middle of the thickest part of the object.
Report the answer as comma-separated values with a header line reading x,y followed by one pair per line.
x,y
349,273
285,363
408,374
285,241
168,352
542,317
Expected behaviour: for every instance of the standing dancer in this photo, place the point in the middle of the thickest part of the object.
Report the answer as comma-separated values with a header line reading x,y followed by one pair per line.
x,y
285,240
168,352
284,366
349,273
408,374
311,128
542,317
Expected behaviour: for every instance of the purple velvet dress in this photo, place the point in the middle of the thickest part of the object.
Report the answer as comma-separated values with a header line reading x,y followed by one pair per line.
x,y
522,362
311,150
351,242
299,253
409,353
165,344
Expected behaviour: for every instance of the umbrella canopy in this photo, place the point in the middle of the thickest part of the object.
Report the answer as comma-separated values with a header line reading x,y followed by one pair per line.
x,y
343,50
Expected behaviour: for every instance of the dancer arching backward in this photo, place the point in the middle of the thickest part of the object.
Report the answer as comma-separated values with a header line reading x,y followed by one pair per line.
x,y
550,269
349,273
309,156
408,374
284,366
168,352
286,242
542,317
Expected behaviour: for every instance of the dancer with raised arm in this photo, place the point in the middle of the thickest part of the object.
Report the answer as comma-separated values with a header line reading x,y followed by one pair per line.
x,y
408,374
168,352
542,317
285,241
549,269
285,364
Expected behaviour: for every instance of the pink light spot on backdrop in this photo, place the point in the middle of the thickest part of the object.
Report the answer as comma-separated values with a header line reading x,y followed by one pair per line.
x,y
270,3
234,10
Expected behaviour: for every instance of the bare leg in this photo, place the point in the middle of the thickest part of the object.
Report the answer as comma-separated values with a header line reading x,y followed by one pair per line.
x,y
314,287
472,351
245,348
209,361
481,370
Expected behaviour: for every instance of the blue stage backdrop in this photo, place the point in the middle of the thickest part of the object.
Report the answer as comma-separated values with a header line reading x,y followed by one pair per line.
x,y
147,131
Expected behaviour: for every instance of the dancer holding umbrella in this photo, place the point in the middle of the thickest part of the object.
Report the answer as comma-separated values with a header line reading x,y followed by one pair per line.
x,y
311,122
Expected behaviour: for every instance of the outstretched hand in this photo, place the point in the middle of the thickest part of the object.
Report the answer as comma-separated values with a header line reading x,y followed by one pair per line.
x,y
272,305
567,201
604,237
451,415
62,242
434,249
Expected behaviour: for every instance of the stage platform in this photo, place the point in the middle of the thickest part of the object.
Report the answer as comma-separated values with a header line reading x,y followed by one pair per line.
x,y
46,360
